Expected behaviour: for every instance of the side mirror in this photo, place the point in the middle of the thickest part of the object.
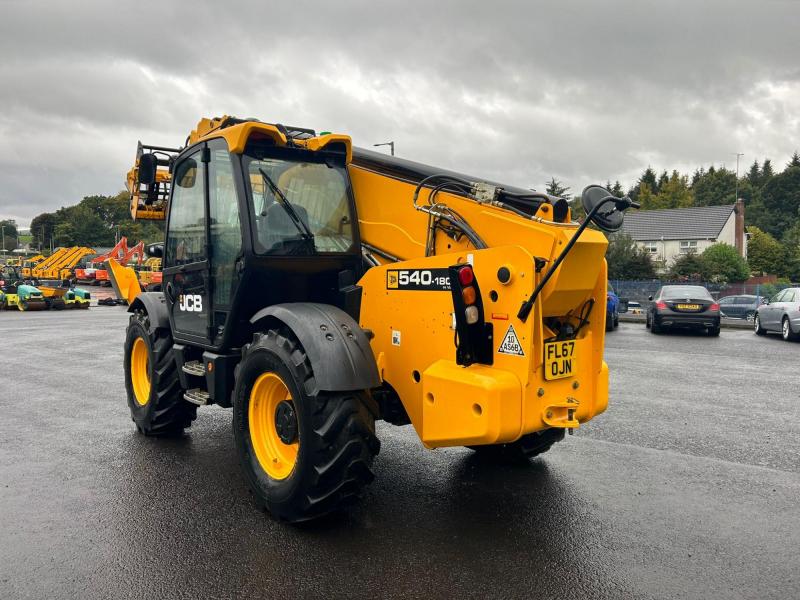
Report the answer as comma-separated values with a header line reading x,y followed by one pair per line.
x,y
156,250
609,213
148,163
650,298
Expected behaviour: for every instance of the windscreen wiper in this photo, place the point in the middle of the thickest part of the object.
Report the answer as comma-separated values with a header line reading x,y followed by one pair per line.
x,y
305,232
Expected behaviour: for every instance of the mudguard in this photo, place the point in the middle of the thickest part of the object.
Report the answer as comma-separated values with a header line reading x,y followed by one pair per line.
x,y
338,349
155,306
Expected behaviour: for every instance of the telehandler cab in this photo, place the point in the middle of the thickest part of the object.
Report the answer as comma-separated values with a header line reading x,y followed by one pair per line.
x,y
315,287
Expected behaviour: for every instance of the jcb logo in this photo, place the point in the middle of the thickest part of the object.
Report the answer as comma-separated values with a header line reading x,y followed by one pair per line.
x,y
190,302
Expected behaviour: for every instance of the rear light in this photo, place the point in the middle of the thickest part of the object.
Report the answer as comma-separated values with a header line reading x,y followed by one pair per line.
x,y
468,295
473,335
714,306
661,305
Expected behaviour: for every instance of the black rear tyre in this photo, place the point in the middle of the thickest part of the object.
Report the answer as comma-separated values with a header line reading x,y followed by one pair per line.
x,y
525,448
333,434
161,411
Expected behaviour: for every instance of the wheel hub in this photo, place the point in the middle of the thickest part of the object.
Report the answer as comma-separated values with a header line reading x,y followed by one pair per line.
x,y
286,422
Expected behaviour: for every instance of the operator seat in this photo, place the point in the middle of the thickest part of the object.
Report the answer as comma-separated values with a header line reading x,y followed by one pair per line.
x,y
279,225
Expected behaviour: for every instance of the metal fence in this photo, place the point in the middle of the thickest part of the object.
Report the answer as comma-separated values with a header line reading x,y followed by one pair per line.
x,y
639,291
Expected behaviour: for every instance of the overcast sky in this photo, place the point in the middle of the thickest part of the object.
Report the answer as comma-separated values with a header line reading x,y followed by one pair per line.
x,y
513,91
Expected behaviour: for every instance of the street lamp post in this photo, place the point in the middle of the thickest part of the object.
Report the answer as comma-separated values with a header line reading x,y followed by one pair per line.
x,y
390,144
3,229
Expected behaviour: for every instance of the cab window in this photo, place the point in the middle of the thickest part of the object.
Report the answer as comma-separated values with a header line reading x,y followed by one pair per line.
x,y
187,227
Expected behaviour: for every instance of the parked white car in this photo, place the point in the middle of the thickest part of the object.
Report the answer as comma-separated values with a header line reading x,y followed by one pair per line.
x,y
781,314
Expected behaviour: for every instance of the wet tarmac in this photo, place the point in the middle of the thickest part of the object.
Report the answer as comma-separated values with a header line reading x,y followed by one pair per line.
x,y
688,487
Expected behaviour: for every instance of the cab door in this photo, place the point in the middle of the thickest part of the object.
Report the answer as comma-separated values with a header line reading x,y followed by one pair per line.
x,y
186,264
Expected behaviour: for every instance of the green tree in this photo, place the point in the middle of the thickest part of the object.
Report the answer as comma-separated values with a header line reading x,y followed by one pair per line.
x,y
42,227
675,192
791,248
64,234
10,234
765,254
663,179
626,260
646,197
615,189
556,188
646,181
722,264
754,174
576,209
766,172
795,161
715,187
781,201
687,267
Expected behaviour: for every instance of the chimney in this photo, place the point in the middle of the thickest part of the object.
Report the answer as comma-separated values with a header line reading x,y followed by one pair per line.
x,y
739,228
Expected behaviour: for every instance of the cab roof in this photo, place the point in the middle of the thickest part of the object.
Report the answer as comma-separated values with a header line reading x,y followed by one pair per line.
x,y
238,132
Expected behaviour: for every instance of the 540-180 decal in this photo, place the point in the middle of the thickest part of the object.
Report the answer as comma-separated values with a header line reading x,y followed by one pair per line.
x,y
427,280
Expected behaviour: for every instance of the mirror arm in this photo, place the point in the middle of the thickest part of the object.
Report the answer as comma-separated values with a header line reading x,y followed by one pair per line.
x,y
527,305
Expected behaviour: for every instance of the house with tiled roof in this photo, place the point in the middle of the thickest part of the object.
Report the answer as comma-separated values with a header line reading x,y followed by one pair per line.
x,y
667,234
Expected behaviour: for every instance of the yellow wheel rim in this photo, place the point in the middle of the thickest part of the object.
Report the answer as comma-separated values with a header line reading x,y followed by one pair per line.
x,y
140,378
275,457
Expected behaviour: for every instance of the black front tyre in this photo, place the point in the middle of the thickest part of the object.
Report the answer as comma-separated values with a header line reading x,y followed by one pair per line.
x,y
155,395
304,452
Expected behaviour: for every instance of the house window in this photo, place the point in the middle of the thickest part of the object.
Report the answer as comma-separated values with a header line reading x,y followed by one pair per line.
x,y
688,246
651,247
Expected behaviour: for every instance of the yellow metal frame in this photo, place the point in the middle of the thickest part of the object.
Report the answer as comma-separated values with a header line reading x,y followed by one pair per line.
x,y
236,136
451,405
124,281
59,265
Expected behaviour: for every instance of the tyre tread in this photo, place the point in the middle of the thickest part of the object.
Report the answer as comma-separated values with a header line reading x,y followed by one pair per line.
x,y
342,438
172,414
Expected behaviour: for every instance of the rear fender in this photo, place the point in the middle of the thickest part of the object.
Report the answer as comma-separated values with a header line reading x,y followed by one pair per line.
x,y
154,304
336,346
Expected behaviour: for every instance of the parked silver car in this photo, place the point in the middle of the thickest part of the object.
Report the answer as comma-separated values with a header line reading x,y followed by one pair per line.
x,y
780,314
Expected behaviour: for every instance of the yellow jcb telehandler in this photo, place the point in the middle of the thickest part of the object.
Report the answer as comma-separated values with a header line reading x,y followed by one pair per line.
x,y
314,288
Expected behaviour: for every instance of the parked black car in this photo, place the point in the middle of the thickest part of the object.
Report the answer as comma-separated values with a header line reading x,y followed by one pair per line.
x,y
740,307
685,306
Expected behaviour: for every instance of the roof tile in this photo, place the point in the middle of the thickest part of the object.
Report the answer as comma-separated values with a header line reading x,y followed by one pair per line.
x,y
695,223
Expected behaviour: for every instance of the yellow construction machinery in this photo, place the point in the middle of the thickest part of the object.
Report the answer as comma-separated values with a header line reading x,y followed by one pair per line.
x,y
59,265
314,288
29,263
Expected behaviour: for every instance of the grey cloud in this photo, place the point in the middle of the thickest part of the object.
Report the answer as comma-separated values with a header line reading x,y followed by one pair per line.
x,y
515,91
